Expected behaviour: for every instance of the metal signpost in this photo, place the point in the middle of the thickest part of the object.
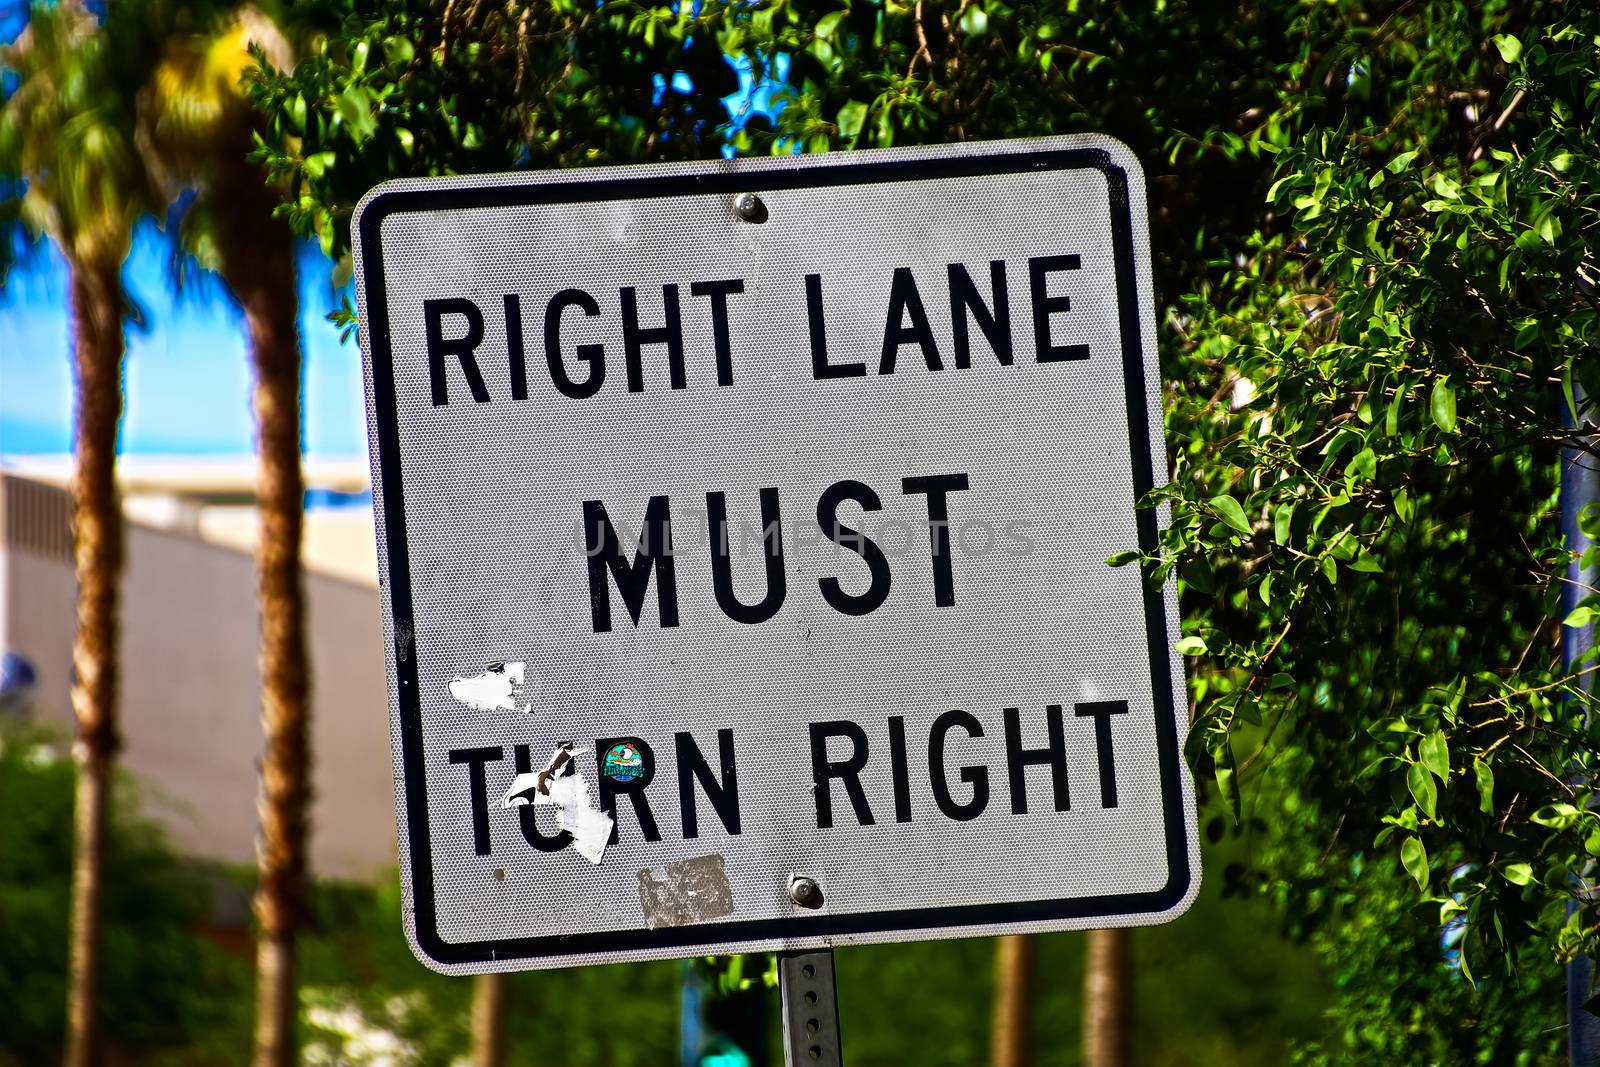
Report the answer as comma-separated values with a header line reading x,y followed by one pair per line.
x,y
1580,489
743,530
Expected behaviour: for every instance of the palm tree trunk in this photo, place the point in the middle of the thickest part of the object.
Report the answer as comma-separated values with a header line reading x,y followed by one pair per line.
x,y
257,254
285,765
489,1020
1107,1011
97,310
1011,1033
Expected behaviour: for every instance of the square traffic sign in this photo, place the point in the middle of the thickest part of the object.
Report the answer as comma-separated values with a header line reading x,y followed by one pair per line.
x,y
743,530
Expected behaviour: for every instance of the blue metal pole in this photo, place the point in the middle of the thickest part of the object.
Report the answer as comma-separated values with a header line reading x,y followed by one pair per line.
x,y
722,1029
691,1024
1580,489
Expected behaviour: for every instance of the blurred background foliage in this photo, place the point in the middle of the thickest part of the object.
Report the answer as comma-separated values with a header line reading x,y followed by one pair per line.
x,y
1219,986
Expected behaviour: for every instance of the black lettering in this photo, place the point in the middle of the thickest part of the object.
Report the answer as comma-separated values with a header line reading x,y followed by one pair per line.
x,y
1039,270
528,814
937,486
827,518
1101,711
592,354
633,576
899,772
670,333
516,355
724,795
1019,759
977,777
478,790
848,771
904,299
463,347
722,561
611,788
820,367
719,292
996,324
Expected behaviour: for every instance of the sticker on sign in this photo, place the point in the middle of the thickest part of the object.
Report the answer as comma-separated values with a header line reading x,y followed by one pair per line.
x,y
743,530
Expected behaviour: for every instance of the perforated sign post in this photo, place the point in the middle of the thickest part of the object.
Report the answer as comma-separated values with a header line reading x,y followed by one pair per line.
x,y
743,529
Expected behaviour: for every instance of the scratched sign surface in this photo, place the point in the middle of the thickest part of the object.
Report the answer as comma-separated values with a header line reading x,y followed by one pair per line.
x,y
743,529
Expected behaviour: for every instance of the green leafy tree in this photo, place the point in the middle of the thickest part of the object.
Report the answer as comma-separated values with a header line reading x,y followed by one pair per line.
x,y
1365,522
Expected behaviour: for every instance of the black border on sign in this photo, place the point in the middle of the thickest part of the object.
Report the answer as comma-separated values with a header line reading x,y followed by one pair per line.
x,y
399,577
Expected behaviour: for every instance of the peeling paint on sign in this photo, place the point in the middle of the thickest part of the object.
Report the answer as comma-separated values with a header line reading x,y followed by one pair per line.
x,y
493,690
561,786
688,891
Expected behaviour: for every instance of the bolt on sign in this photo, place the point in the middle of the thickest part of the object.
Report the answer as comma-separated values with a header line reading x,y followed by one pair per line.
x,y
743,530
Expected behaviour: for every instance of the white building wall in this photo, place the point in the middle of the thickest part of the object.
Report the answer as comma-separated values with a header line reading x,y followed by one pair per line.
x,y
190,705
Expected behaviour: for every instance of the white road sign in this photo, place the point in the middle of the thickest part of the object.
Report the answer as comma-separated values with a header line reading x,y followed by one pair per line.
x,y
743,530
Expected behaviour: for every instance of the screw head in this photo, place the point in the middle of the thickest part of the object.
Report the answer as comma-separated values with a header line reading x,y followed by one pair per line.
x,y
748,206
805,892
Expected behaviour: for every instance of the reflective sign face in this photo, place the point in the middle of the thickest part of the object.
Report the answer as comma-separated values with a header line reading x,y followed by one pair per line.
x,y
743,529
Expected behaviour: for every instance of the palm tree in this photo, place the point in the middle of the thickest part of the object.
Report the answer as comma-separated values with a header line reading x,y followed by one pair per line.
x,y
196,131
65,148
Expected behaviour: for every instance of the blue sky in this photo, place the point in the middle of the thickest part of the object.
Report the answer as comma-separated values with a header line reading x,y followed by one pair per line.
x,y
188,373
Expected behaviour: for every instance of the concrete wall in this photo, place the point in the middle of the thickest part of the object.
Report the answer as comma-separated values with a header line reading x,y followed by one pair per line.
x,y
190,708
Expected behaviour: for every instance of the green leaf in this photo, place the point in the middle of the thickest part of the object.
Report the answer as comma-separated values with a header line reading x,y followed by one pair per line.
x,y
830,22
1191,646
1566,389
1283,523
1227,773
1121,559
1517,873
1366,563
1391,417
1434,752
852,116
1483,774
355,107
1582,615
1401,162
398,50
1415,860
1423,791
1230,512
1443,405
1556,816
1510,48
